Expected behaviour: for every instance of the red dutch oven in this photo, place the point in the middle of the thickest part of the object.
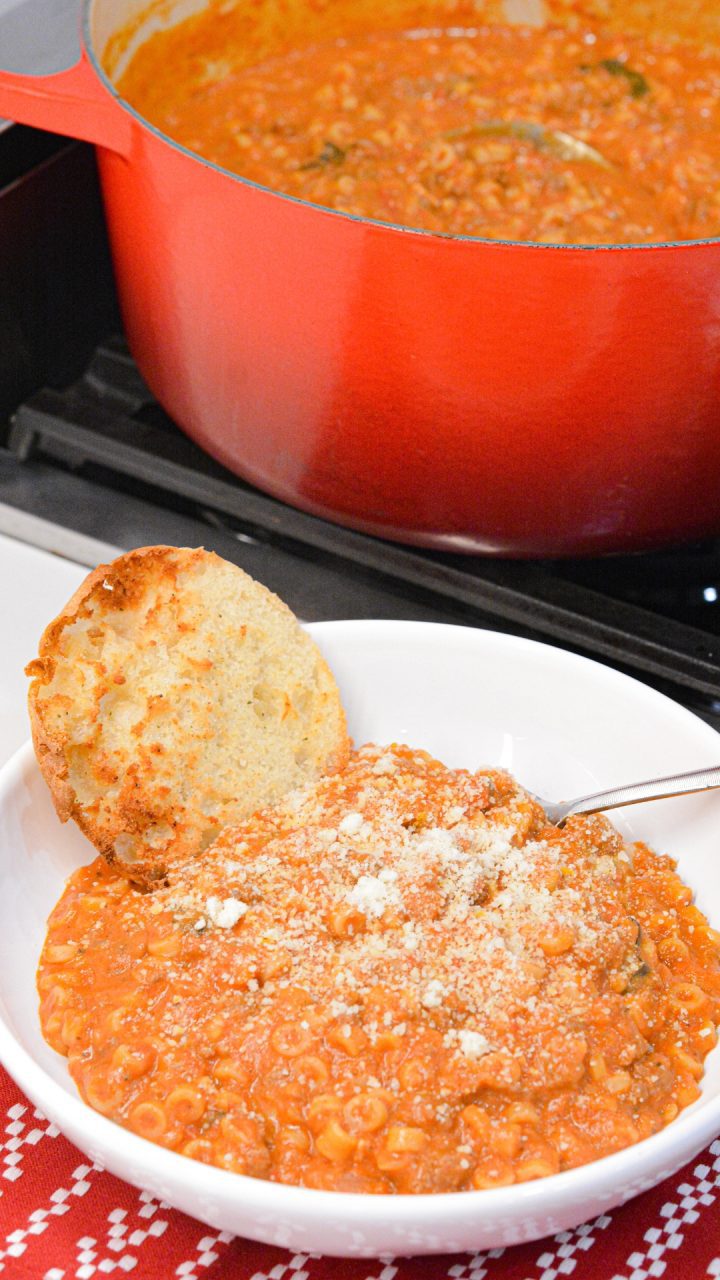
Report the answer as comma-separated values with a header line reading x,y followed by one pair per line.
x,y
478,396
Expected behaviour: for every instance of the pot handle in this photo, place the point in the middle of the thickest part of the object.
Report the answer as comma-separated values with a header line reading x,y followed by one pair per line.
x,y
73,102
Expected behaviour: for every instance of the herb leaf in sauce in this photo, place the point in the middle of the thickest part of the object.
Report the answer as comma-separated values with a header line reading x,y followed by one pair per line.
x,y
330,154
637,83
564,145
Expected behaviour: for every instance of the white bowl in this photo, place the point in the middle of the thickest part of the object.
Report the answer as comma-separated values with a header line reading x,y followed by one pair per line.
x,y
564,726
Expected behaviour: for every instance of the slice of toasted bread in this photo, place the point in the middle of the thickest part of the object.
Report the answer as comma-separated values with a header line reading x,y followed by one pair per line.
x,y
175,695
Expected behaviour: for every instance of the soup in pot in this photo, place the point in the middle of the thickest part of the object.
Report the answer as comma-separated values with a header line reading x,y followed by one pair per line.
x,y
521,133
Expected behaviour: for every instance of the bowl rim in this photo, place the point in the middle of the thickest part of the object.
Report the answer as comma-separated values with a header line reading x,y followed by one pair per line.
x,y
647,1162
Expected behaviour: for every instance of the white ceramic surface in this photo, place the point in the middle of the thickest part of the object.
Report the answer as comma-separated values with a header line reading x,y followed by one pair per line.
x,y
564,726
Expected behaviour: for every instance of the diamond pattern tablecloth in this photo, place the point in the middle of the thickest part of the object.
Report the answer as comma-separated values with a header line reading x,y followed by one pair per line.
x,y
62,1218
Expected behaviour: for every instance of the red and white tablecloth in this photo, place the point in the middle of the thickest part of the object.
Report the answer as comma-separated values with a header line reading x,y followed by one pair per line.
x,y
62,1218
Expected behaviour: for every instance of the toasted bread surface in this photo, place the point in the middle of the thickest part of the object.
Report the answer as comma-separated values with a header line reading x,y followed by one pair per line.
x,y
175,695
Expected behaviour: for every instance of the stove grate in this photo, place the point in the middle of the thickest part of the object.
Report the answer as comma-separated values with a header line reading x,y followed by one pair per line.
x,y
108,419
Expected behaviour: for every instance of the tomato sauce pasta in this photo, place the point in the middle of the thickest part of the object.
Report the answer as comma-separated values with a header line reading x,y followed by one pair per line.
x,y
502,132
401,979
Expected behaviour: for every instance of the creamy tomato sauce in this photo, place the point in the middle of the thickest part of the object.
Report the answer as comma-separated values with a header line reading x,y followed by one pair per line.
x,y
499,132
401,980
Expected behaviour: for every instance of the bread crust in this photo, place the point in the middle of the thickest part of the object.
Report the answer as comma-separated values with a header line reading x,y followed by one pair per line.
x,y
49,747
134,644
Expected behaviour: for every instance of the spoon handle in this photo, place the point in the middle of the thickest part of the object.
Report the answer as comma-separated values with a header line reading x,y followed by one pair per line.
x,y
677,784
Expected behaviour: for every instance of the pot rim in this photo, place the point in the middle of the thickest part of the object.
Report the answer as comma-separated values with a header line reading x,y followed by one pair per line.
x,y
375,223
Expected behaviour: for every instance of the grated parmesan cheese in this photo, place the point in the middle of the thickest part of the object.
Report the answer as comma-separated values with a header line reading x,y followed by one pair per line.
x,y
468,1042
384,764
350,824
374,894
456,882
432,996
225,914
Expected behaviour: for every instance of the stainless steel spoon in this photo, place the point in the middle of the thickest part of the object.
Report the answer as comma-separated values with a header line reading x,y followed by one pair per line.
x,y
678,784
564,145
